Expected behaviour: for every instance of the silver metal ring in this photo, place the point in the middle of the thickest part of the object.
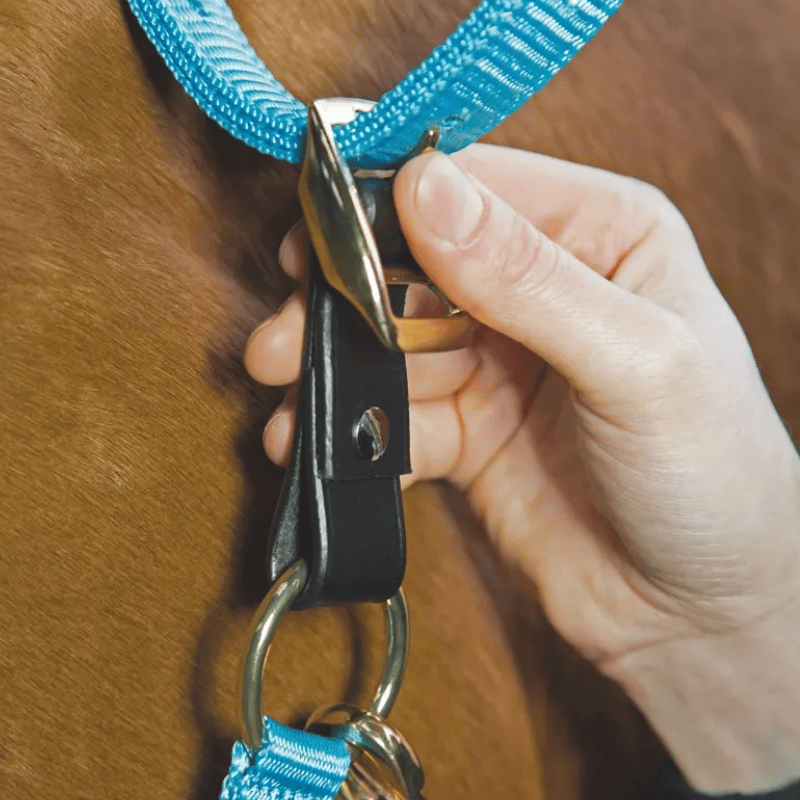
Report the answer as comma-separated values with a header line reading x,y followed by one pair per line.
x,y
279,599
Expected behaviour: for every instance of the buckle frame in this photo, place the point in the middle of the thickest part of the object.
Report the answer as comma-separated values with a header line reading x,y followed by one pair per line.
x,y
346,246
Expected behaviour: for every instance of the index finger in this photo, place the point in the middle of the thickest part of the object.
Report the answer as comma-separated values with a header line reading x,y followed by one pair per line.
x,y
295,250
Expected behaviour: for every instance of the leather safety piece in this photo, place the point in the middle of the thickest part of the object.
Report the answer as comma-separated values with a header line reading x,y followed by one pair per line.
x,y
340,509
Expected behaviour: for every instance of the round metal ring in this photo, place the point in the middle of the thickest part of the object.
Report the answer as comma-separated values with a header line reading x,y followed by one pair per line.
x,y
279,599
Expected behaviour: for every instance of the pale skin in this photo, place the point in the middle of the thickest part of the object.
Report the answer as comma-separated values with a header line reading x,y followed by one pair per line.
x,y
610,428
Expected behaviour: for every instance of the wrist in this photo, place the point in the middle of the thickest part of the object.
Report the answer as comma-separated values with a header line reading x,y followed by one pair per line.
x,y
726,707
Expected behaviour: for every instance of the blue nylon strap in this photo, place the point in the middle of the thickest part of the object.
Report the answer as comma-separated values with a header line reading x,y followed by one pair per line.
x,y
291,765
495,60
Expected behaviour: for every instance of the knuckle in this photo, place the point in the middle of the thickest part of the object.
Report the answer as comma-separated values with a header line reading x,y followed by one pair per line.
x,y
606,227
599,231
658,207
671,359
520,257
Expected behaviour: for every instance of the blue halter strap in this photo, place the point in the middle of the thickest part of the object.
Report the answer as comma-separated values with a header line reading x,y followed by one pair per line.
x,y
291,765
494,61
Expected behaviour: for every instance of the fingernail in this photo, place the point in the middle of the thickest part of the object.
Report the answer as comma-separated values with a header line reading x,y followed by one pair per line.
x,y
253,338
447,200
289,259
256,333
266,323
276,433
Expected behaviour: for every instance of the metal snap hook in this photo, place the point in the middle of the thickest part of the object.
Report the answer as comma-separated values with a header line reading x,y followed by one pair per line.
x,y
279,599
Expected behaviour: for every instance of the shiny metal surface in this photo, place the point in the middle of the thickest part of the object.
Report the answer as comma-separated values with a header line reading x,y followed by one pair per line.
x,y
371,434
366,781
265,623
370,735
395,611
345,244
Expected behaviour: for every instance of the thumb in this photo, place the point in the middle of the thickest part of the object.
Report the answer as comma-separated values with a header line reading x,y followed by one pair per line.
x,y
508,275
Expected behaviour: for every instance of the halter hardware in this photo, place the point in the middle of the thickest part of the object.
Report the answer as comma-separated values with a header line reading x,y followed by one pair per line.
x,y
348,219
262,630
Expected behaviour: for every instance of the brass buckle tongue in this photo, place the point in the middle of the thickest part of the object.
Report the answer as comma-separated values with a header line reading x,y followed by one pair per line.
x,y
346,246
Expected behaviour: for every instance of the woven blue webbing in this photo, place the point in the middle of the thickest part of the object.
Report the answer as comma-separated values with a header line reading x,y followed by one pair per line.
x,y
494,61
290,765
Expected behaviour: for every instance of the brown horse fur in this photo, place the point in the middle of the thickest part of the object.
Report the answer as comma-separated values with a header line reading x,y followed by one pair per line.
x,y
137,251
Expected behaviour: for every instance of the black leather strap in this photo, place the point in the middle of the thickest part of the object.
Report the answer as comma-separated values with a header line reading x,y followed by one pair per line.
x,y
338,509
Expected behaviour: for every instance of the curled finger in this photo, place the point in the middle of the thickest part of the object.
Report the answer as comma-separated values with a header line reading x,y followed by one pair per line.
x,y
273,351
279,431
295,251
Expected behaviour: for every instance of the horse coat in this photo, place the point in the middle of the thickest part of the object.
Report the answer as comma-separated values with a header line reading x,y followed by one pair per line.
x,y
138,250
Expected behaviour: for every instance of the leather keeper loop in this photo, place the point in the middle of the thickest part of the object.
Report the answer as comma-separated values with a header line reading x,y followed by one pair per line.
x,y
338,509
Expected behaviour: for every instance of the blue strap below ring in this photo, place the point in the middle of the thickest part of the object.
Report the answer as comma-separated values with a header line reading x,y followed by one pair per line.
x,y
494,61
291,765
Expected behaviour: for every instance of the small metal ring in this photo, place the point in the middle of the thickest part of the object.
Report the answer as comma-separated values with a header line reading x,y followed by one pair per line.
x,y
279,599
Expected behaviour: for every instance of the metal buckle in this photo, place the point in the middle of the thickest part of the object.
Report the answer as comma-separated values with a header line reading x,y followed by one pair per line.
x,y
346,246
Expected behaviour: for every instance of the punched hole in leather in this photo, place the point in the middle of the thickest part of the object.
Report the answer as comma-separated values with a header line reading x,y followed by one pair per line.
x,y
340,506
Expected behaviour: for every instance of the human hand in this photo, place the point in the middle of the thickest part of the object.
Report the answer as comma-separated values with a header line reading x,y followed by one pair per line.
x,y
609,426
